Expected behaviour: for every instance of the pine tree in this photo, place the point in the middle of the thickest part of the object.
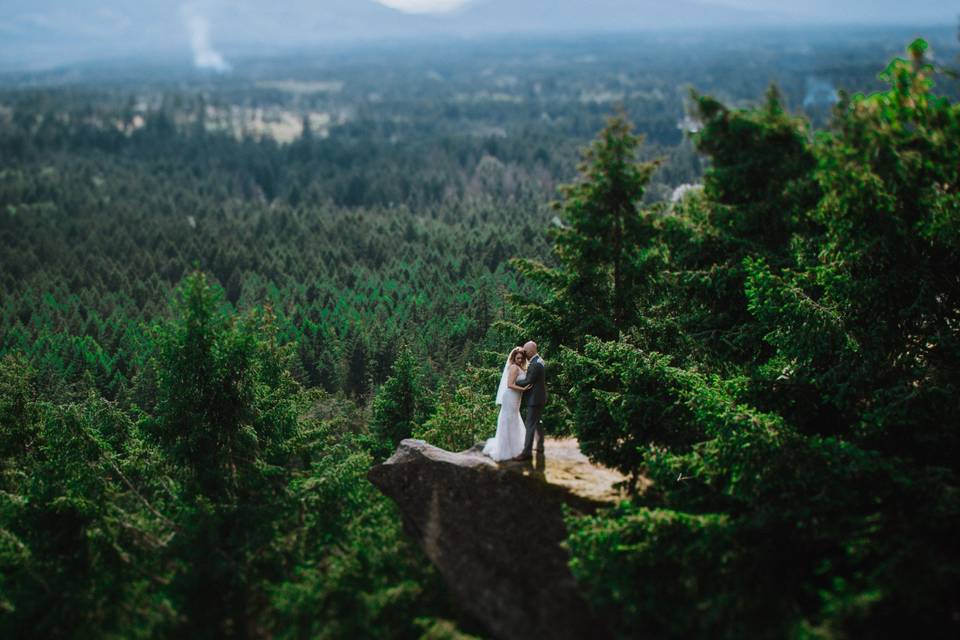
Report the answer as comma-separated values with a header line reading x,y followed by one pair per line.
x,y
226,416
600,247
760,178
400,403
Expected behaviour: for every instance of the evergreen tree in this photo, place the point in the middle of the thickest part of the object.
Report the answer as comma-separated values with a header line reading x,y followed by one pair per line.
x,y
82,517
401,402
760,177
226,414
600,247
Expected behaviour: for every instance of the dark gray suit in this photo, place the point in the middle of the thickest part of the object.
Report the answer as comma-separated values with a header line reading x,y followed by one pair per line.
x,y
534,397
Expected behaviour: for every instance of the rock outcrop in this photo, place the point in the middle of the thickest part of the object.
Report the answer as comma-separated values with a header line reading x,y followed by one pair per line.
x,y
494,531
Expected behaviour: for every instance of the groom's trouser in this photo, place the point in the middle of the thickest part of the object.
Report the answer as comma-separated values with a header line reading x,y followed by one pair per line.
x,y
532,423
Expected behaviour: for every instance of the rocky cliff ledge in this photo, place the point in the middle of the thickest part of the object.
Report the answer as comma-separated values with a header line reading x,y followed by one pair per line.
x,y
494,531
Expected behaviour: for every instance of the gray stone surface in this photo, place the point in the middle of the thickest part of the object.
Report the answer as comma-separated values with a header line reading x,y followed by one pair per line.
x,y
494,532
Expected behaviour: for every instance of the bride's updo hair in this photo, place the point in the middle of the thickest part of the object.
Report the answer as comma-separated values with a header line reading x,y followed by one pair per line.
x,y
523,357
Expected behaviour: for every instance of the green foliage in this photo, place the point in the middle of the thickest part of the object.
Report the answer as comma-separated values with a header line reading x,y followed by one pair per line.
x,y
881,292
773,358
224,400
466,417
81,521
605,260
18,410
102,238
628,561
226,414
401,402
786,405
757,193
229,502
760,178
358,574
597,288
619,403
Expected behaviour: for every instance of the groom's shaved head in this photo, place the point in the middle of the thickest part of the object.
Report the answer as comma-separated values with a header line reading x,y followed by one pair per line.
x,y
530,349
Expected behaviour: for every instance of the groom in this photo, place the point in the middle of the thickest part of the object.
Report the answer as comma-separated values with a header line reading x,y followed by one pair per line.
x,y
534,397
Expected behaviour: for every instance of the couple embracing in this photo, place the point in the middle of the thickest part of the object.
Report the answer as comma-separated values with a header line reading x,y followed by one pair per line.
x,y
524,378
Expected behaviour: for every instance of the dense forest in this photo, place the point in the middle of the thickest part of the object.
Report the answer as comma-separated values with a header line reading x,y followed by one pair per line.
x,y
225,298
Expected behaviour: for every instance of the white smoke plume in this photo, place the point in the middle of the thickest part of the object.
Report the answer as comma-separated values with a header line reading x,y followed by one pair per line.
x,y
198,28
820,92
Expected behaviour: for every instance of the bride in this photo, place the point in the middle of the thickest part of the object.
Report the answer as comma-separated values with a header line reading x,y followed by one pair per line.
x,y
508,443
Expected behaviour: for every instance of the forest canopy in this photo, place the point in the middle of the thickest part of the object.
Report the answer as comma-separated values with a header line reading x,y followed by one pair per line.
x,y
209,335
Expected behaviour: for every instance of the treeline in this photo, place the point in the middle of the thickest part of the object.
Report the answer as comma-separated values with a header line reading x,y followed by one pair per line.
x,y
356,164
96,232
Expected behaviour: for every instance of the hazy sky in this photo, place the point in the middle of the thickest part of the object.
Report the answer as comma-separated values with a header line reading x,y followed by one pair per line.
x,y
43,33
825,9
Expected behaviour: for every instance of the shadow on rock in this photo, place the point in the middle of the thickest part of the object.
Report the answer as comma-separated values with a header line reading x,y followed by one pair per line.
x,y
494,532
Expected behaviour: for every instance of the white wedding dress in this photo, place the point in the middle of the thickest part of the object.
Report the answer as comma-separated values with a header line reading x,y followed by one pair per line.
x,y
508,442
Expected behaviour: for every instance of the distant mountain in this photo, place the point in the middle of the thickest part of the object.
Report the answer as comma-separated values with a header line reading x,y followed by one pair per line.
x,y
51,32
565,16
